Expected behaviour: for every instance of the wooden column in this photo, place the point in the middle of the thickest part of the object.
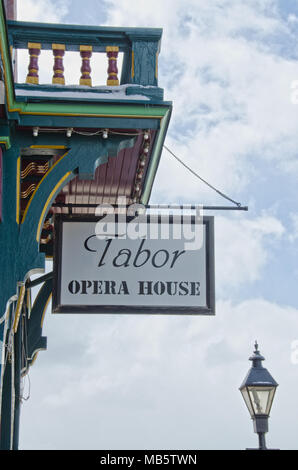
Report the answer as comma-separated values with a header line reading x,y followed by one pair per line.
x,y
34,51
58,52
112,53
144,66
86,53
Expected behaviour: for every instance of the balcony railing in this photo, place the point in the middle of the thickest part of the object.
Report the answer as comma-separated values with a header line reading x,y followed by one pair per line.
x,y
140,48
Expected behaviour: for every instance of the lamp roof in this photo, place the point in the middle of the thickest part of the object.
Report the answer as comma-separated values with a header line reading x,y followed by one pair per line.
x,y
257,375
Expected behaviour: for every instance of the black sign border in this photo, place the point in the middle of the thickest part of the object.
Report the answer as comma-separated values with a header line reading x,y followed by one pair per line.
x,y
57,307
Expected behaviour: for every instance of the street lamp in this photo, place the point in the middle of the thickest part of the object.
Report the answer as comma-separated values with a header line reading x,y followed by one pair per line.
x,y
258,389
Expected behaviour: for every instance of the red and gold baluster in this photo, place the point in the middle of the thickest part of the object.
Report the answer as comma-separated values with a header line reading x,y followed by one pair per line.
x,y
86,53
112,53
58,52
34,51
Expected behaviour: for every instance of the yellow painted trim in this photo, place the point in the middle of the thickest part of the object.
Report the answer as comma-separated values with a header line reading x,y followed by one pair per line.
x,y
45,309
86,81
33,361
32,80
34,358
29,190
112,82
18,184
60,47
44,176
112,49
45,208
29,300
56,147
86,48
30,167
40,169
4,142
59,80
34,45
19,308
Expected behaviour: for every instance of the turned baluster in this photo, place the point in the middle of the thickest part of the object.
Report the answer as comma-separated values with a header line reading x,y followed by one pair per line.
x,y
86,53
112,53
34,51
58,52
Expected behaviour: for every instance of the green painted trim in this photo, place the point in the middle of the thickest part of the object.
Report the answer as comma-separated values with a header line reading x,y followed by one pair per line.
x,y
5,140
100,110
155,158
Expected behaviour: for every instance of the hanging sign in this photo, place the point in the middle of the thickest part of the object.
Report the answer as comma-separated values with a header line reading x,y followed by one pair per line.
x,y
146,264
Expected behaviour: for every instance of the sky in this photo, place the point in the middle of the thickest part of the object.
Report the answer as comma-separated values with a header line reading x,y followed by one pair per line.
x,y
168,382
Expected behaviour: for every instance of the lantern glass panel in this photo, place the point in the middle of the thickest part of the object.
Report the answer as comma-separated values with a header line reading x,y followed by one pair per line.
x,y
245,395
261,399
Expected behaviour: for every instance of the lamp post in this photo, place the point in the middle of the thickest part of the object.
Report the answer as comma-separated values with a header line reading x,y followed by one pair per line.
x,y
258,389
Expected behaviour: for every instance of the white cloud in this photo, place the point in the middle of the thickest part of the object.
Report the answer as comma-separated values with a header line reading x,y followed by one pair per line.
x,y
243,248
293,235
292,18
152,382
42,11
231,92
230,88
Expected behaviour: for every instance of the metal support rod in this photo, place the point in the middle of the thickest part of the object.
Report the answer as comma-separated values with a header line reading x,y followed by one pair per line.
x,y
155,206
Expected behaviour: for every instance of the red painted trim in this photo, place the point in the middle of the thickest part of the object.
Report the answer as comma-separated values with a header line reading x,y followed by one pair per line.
x,y
11,9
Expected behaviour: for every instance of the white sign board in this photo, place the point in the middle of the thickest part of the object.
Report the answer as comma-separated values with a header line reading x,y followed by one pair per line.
x,y
146,268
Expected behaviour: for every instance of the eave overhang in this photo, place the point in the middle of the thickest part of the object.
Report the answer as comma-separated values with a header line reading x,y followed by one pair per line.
x,y
140,107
